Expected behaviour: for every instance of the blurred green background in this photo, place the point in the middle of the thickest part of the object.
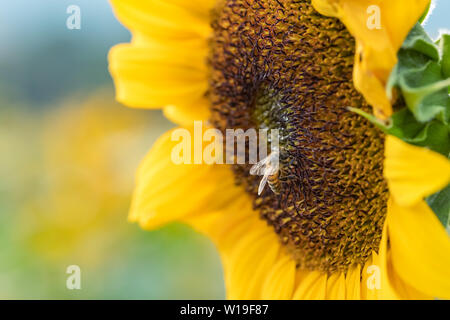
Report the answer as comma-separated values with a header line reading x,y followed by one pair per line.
x,y
68,156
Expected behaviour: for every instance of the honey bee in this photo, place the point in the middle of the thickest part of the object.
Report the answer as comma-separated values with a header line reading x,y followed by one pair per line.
x,y
268,168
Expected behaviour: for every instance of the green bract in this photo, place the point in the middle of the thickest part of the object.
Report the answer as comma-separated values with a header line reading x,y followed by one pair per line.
x,y
440,204
421,78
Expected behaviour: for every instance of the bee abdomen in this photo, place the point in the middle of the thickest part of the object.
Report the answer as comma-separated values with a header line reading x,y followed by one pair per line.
x,y
274,184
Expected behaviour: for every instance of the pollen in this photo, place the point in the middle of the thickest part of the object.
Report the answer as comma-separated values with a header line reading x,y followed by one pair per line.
x,y
279,64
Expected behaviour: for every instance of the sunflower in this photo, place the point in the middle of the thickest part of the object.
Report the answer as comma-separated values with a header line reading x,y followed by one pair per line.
x,y
356,213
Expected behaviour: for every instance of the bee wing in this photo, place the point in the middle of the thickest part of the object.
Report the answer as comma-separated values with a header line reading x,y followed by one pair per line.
x,y
260,167
274,163
262,183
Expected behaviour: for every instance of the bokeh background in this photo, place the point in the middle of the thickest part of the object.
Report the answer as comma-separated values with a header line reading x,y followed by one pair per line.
x,y
68,153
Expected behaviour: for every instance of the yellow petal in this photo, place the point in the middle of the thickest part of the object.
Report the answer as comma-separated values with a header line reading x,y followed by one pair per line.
x,y
383,275
369,292
156,75
166,191
164,65
404,290
336,287
353,283
227,225
185,115
382,260
376,48
280,281
249,262
164,19
420,248
312,287
249,249
413,172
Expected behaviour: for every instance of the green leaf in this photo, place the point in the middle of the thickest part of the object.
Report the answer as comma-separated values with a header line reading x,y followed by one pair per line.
x,y
420,75
444,44
425,92
433,135
440,204
419,41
